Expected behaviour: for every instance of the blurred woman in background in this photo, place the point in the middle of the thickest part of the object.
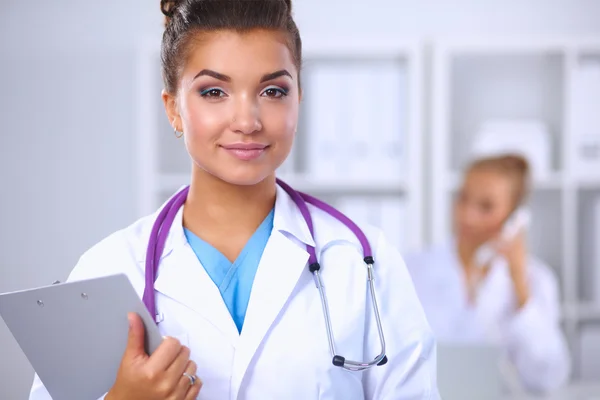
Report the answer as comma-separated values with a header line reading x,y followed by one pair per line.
x,y
510,299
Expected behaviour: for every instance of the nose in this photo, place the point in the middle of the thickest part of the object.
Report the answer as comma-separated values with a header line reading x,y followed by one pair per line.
x,y
246,116
471,217
465,214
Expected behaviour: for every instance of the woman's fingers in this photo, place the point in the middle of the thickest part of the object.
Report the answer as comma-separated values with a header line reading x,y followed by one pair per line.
x,y
188,381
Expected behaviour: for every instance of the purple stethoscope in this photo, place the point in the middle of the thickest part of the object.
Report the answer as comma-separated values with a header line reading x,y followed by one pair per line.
x,y
165,218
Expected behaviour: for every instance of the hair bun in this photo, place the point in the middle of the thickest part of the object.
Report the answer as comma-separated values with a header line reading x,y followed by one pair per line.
x,y
168,7
288,3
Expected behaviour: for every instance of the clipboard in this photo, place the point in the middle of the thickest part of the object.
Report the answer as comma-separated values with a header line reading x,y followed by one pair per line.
x,y
74,334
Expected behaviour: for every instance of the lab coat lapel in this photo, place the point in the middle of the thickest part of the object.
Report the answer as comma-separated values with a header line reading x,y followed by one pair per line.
x,y
183,279
282,264
280,268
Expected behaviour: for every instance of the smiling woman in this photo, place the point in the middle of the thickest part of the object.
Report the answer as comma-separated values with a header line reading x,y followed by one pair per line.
x,y
230,262
238,120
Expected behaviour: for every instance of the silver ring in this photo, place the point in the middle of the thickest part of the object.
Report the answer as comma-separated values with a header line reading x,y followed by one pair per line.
x,y
192,378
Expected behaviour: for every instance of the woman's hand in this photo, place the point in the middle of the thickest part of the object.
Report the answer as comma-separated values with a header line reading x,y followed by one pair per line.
x,y
157,377
514,251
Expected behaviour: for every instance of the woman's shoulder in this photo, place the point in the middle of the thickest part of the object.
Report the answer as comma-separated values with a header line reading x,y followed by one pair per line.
x,y
541,273
330,229
330,233
117,252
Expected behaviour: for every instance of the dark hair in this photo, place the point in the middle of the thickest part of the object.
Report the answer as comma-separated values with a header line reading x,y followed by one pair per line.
x,y
186,18
514,167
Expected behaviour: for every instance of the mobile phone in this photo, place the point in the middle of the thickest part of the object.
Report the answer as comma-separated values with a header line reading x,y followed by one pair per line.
x,y
517,221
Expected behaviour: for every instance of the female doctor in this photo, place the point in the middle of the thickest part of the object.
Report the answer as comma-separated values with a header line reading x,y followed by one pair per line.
x,y
234,289
512,299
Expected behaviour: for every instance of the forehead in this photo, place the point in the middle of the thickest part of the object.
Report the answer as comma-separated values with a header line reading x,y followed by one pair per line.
x,y
488,183
239,54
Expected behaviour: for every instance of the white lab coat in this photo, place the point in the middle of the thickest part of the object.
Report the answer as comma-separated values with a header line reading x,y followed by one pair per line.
x,y
531,337
283,351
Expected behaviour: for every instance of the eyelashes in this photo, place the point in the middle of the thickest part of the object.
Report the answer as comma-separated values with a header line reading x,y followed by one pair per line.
x,y
274,92
214,93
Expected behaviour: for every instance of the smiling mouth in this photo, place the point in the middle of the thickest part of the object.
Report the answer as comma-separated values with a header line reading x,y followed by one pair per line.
x,y
246,152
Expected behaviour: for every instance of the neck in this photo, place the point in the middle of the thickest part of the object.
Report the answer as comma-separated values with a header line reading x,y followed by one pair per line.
x,y
214,206
472,276
466,253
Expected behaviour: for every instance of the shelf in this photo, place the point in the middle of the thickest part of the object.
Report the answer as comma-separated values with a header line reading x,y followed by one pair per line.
x,y
503,45
592,45
588,252
510,45
553,181
588,312
171,182
581,312
588,351
332,186
591,182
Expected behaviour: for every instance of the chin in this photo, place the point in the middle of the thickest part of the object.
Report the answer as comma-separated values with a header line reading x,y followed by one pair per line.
x,y
467,236
246,177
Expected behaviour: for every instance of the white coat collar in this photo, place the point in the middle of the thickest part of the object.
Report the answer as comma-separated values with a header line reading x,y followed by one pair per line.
x,y
197,290
287,219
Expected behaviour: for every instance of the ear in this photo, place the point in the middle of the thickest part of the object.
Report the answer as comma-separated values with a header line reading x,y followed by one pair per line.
x,y
170,102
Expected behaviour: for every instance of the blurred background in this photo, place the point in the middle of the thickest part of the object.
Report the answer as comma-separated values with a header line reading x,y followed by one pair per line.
x,y
415,88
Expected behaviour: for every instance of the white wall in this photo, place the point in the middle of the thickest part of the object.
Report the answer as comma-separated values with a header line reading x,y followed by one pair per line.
x,y
67,114
425,18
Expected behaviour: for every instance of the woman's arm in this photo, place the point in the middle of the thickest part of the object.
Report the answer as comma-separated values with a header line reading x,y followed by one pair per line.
x,y
536,344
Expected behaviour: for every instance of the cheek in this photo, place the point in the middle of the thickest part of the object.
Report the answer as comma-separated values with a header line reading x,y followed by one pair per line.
x,y
461,212
203,120
280,120
491,222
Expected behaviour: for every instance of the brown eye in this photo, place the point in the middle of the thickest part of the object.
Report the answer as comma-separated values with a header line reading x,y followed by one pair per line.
x,y
486,207
274,92
212,93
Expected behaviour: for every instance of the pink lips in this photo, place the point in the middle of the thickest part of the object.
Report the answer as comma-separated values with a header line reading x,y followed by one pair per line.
x,y
245,151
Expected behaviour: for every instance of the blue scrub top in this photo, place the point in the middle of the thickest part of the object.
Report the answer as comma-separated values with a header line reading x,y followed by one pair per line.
x,y
234,280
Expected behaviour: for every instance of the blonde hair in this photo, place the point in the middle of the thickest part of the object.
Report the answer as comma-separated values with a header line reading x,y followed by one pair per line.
x,y
512,166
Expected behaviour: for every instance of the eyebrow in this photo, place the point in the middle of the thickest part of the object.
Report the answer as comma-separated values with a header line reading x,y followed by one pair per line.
x,y
225,78
274,75
214,74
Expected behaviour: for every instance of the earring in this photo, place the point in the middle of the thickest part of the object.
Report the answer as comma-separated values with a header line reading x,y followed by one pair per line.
x,y
178,135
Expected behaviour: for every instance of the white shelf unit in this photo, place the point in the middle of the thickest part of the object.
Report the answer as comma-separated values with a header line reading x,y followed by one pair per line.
x,y
340,81
475,80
